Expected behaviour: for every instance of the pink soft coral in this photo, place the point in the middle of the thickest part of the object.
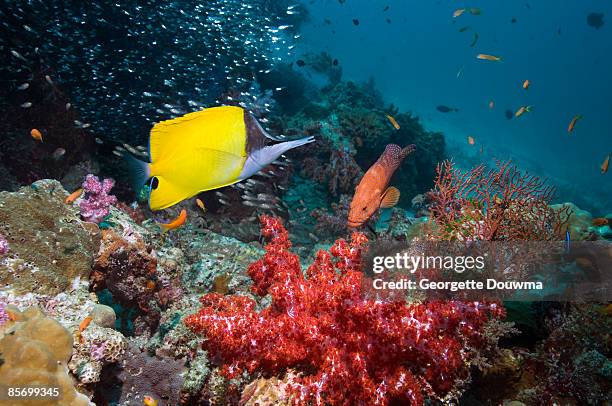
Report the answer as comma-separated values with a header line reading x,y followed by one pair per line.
x,y
96,203
347,350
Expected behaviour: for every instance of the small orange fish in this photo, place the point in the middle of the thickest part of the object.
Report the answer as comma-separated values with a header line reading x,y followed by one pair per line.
x,y
470,140
372,192
36,134
606,163
149,400
489,57
600,221
491,104
200,204
458,12
85,323
150,286
572,123
73,196
606,310
176,223
522,110
393,122
11,316
526,84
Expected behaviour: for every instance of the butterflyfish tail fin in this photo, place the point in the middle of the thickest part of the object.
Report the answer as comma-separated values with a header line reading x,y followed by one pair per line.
x,y
139,171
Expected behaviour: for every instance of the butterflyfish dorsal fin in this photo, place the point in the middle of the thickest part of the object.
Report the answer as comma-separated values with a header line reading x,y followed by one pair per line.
x,y
390,197
219,128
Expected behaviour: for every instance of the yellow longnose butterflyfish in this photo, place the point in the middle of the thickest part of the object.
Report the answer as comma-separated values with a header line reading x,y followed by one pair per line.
x,y
204,150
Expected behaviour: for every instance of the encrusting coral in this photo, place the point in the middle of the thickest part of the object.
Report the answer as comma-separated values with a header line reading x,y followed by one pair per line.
x,y
345,349
49,244
34,351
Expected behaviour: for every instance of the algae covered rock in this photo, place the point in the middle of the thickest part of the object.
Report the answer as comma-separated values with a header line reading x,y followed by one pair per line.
x,y
216,257
50,245
34,350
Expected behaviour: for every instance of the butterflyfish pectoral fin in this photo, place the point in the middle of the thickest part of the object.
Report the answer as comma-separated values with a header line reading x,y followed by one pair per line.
x,y
259,159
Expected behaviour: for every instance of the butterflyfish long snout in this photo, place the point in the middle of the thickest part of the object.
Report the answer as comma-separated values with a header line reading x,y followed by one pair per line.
x,y
204,150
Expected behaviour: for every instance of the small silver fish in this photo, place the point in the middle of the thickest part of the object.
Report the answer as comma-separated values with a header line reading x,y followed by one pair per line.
x,y
26,105
58,153
23,86
18,55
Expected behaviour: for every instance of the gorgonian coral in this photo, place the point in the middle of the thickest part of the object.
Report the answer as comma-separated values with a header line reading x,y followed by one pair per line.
x,y
499,204
345,349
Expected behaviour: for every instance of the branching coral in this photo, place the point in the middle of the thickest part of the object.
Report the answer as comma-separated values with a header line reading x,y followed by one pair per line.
x,y
96,204
500,204
346,349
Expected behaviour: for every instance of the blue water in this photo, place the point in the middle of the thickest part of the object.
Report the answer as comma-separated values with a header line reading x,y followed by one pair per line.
x,y
415,59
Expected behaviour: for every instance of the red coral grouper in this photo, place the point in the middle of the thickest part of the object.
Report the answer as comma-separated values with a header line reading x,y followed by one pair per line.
x,y
372,192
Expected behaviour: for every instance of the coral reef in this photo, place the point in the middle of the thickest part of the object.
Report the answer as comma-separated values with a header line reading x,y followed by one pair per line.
x,y
35,349
127,267
50,246
142,374
96,202
343,348
573,363
500,204
4,246
95,347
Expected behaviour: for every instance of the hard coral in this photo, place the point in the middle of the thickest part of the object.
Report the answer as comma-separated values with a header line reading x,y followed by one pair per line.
x,y
500,204
96,204
35,350
346,349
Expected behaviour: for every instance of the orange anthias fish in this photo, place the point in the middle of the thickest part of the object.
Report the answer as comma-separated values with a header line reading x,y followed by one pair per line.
x,y
200,204
606,163
73,196
526,84
489,57
393,122
491,104
600,221
470,140
522,110
176,223
149,400
572,123
85,323
372,192
36,134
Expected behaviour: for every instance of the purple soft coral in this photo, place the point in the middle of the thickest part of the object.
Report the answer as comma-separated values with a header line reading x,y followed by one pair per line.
x,y
4,246
95,206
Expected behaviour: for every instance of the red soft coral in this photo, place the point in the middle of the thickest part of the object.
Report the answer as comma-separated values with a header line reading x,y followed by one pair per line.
x,y
348,350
